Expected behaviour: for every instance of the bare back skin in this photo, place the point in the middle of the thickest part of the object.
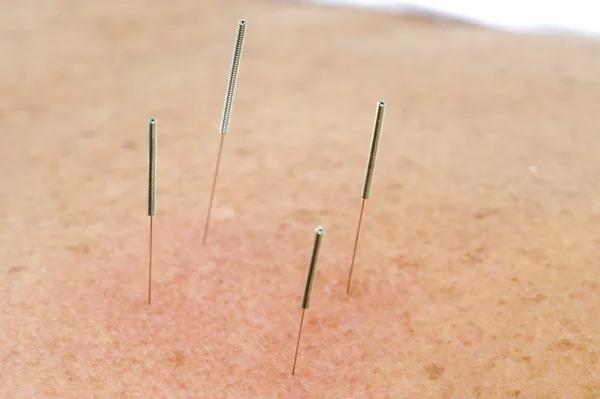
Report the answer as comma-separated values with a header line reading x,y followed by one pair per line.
x,y
476,275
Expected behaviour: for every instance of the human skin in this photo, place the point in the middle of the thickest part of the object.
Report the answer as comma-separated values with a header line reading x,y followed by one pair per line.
x,y
477,268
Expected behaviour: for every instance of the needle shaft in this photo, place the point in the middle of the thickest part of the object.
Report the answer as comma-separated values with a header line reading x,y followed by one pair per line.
x,y
150,266
362,209
212,191
298,342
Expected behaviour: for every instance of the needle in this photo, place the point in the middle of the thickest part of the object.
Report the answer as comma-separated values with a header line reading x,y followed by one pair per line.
x,y
235,62
151,193
310,278
368,179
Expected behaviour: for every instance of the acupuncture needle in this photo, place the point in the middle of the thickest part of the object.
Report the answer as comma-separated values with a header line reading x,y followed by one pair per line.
x,y
310,278
151,193
233,73
366,191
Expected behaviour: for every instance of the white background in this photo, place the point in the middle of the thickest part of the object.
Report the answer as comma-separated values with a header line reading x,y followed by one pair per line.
x,y
576,16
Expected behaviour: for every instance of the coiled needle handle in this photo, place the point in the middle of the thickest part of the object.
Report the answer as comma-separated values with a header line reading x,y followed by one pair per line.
x,y
233,74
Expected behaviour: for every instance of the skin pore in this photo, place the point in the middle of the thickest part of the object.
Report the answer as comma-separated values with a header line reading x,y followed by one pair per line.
x,y
476,271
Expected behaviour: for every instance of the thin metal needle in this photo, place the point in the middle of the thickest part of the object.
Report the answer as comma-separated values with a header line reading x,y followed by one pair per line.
x,y
366,191
310,279
233,73
151,193
298,342
212,192
362,209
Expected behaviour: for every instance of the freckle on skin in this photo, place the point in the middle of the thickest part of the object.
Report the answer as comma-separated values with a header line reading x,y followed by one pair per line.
x,y
434,371
16,269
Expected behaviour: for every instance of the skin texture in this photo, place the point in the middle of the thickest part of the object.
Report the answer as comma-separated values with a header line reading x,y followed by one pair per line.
x,y
477,269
